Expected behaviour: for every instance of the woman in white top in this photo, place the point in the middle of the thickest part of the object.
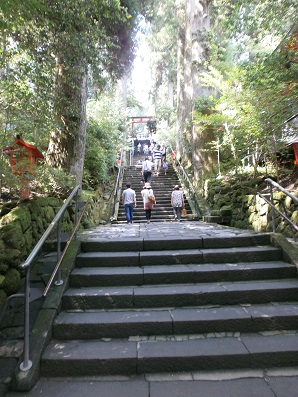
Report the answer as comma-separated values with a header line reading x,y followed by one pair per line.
x,y
177,202
148,205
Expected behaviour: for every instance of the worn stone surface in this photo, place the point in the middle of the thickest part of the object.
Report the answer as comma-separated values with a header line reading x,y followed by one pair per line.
x,y
105,276
89,358
7,367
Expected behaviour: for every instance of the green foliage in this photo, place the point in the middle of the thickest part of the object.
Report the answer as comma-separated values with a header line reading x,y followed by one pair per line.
x,y
204,104
52,181
105,136
45,49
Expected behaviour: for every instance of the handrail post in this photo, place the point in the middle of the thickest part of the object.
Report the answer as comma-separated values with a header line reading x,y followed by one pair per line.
x,y
272,210
59,280
26,364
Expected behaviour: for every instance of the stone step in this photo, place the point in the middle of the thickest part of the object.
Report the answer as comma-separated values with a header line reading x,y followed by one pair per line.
x,y
180,274
178,256
155,216
99,357
224,293
90,244
159,219
124,324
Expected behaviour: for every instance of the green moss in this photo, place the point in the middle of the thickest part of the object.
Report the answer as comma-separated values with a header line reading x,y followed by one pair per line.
x,y
12,282
294,217
226,210
13,236
3,297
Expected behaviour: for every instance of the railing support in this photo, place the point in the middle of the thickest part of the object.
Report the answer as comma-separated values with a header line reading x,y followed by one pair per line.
x,y
59,280
272,211
26,364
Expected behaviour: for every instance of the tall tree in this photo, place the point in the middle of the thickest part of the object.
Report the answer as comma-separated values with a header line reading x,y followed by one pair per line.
x,y
193,47
75,37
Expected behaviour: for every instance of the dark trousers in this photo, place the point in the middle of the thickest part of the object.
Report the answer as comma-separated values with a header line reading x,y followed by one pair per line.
x,y
148,214
177,212
147,176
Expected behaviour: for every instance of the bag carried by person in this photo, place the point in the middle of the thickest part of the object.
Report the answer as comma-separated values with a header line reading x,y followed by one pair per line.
x,y
151,199
183,212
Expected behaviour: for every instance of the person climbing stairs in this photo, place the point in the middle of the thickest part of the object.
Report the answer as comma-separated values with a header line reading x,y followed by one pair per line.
x,y
162,186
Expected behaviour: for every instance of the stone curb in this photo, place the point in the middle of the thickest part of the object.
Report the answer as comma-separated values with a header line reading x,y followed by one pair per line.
x,y
290,251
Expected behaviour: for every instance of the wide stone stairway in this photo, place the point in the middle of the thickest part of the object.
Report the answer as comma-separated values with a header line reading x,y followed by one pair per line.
x,y
162,186
170,298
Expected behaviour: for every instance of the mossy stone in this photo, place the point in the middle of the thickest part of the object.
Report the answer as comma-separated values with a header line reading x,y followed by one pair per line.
x,y
3,297
20,215
226,210
3,267
294,217
6,208
12,282
13,236
2,246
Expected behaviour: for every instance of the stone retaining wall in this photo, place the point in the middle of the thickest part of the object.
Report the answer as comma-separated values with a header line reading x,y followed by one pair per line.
x,y
21,227
245,209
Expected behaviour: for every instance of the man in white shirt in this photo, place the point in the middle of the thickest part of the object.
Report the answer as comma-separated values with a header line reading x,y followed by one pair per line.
x,y
147,170
157,153
129,201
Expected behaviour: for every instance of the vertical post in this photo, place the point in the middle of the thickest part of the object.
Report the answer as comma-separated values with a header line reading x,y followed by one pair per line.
x,y
59,280
272,210
26,364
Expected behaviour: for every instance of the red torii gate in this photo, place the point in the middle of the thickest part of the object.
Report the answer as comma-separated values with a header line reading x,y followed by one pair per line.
x,y
140,120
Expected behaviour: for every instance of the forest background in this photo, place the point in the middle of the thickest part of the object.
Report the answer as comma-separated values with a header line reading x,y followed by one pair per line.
x,y
224,86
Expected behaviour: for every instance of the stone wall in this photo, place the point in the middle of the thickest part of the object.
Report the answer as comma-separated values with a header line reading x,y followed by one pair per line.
x,y
23,224
243,208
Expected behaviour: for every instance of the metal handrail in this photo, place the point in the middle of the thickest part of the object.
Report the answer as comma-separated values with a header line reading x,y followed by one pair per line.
x,y
57,267
272,184
118,185
27,364
188,185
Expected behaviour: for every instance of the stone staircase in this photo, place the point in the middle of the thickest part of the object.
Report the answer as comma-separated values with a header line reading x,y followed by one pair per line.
x,y
152,305
162,186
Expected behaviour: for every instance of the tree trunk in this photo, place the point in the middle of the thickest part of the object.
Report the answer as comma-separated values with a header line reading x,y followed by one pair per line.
x,y
193,45
181,102
67,142
203,155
